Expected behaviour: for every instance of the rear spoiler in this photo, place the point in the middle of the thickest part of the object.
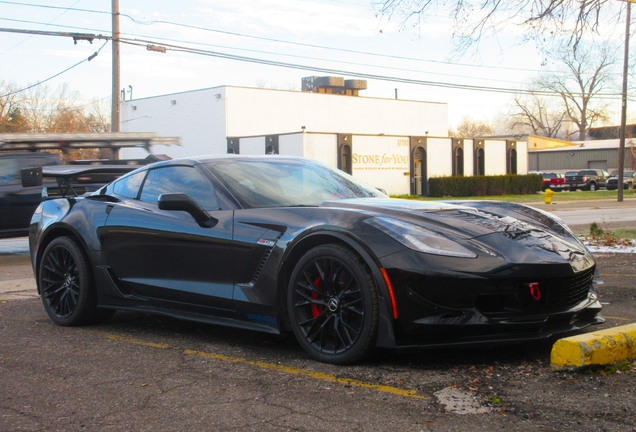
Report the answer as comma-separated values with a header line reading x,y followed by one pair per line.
x,y
73,180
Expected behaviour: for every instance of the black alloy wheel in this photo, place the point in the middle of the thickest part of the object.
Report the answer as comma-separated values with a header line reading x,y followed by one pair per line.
x,y
333,305
66,285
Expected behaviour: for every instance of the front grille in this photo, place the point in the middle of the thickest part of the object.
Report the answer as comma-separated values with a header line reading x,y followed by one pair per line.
x,y
557,293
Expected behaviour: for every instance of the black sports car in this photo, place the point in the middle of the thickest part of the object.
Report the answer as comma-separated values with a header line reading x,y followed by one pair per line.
x,y
282,244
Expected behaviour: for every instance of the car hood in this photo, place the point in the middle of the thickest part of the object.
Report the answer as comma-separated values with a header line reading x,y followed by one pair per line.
x,y
506,235
462,221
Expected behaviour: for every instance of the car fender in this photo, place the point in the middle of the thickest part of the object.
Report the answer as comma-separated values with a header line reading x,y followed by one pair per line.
x,y
386,336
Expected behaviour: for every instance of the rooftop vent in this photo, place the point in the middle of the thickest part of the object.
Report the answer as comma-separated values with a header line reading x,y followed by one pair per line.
x,y
333,85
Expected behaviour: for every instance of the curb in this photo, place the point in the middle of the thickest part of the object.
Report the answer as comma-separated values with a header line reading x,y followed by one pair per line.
x,y
604,347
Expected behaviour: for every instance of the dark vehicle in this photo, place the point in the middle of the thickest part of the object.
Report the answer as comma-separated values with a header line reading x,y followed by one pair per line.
x,y
281,244
17,202
19,199
628,180
587,179
554,181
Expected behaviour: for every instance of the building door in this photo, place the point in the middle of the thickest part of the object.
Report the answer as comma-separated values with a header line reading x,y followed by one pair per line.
x,y
480,164
344,160
512,161
419,172
458,162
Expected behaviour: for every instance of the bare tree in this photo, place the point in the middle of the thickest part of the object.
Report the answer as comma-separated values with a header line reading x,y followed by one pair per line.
x,y
99,115
581,85
58,110
469,127
541,20
538,115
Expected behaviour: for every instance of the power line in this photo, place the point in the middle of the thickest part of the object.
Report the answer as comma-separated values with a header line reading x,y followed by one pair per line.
x,y
279,54
344,72
91,57
56,18
177,48
151,22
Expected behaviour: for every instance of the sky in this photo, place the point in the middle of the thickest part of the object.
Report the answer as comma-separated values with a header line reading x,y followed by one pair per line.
x,y
319,37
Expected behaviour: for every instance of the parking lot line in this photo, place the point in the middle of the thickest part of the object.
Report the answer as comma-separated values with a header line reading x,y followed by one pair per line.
x,y
275,367
617,318
311,374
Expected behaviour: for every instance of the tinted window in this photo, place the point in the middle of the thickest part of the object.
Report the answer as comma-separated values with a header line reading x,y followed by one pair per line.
x,y
179,179
287,182
35,161
9,171
129,186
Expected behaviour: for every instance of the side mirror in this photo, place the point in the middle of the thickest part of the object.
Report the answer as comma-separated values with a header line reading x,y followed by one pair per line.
x,y
183,202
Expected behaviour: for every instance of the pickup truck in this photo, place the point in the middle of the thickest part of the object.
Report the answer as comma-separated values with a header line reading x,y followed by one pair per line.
x,y
587,179
554,181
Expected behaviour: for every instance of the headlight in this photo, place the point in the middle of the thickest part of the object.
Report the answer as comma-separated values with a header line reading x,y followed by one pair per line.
x,y
420,239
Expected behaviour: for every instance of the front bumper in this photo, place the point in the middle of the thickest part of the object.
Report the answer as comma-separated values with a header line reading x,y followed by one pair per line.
x,y
444,308
473,327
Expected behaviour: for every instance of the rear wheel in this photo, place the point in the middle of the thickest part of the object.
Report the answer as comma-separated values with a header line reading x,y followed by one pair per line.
x,y
333,305
66,284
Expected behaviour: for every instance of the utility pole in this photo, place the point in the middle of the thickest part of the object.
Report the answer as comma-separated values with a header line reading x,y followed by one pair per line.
x,y
621,145
114,121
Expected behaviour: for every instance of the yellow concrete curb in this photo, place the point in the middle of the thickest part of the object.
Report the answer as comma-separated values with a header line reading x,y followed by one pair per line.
x,y
604,347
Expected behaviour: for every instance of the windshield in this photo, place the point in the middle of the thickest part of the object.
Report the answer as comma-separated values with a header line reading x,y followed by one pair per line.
x,y
281,182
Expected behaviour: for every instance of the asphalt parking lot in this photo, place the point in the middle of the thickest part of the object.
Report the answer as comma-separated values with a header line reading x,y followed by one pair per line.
x,y
142,372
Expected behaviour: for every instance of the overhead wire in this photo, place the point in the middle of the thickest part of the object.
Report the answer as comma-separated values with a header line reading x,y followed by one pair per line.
x,y
345,72
89,58
350,51
303,67
45,26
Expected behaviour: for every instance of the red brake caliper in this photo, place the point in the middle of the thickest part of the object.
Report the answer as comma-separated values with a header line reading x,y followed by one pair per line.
x,y
316,309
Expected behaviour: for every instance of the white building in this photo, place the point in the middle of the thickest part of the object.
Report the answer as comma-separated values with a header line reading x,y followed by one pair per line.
x,y
389,143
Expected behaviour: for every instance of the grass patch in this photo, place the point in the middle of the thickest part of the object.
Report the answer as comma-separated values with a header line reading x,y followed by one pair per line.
x,y
602,237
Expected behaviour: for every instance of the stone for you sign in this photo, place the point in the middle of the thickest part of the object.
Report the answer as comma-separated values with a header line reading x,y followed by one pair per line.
x,y
379,160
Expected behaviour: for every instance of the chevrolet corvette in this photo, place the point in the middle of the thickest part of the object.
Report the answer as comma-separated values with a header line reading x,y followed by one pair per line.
x,y
288,245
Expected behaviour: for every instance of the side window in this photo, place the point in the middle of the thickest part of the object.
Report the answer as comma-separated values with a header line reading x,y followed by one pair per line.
x,y
35,161
9,171
129,185
179,179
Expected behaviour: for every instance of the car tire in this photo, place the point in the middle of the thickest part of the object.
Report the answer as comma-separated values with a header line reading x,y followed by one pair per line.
x,y
67,286
334,322
591,186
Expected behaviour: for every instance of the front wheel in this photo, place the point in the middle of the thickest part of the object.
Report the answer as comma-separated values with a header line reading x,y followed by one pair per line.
x,y
592,186
66,284
332,303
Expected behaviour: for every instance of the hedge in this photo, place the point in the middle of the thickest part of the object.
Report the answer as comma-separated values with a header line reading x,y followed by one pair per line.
x,y
458,186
